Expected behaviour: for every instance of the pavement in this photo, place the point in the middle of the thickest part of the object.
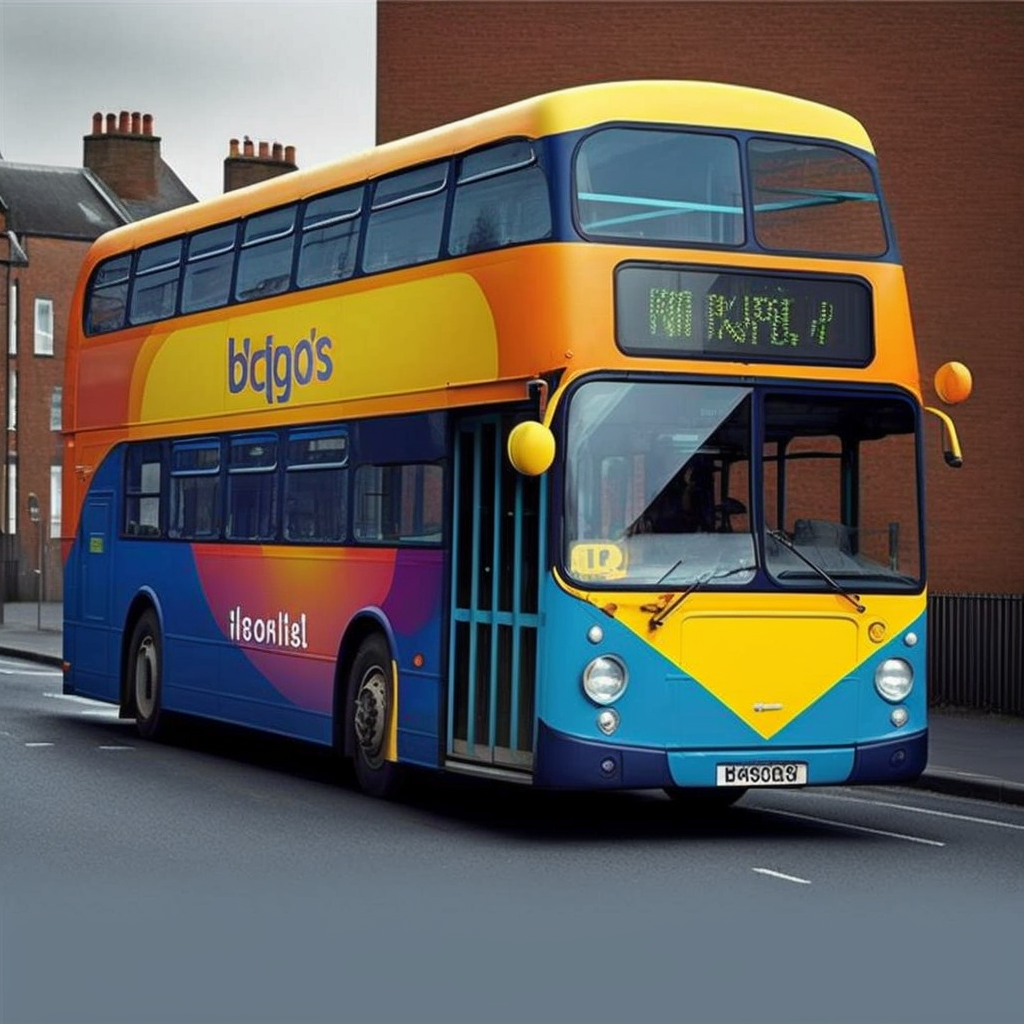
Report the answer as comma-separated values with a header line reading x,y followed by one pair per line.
x,y
971,753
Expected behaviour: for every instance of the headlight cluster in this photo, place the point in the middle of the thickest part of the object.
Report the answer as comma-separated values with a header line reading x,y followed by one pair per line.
x,y
605,679
894,679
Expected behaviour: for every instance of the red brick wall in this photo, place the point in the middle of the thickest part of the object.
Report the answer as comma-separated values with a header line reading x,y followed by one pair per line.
x,y
51,274
939,86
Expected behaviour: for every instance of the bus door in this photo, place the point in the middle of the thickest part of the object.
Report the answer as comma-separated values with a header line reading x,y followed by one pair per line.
x,y
497,551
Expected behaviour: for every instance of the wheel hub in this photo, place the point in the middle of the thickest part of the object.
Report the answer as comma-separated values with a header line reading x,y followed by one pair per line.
x,y
371,710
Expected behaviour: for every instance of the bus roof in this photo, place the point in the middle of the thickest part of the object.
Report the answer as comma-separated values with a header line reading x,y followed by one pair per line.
x,y
699,104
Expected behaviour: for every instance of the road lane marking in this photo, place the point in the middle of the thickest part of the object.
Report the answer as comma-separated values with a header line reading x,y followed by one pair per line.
x,y
38,744
49,673
112,712
855,828
937,814
75,699
785,878
114,746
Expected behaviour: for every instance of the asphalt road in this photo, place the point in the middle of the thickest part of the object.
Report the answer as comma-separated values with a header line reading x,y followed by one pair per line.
x,y
227,877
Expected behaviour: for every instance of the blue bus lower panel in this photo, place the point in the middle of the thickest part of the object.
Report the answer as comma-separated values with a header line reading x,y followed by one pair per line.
x,y
565,762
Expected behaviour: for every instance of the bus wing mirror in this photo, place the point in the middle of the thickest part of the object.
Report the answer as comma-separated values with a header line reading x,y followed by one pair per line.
x,y
951,447
531,448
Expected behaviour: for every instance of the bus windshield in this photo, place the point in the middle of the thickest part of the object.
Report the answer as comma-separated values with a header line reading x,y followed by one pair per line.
x,y
659,185
660,481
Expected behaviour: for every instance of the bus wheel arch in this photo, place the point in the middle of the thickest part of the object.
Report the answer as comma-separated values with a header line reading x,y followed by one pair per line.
x,y
364,707
142,668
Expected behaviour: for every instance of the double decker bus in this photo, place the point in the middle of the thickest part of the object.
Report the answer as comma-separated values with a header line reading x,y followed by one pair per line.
x,y
577,443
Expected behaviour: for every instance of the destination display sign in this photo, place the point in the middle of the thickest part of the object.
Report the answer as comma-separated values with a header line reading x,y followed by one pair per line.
x,y
669,310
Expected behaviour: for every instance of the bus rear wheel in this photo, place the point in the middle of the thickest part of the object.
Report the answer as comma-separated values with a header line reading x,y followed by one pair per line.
x,y
370,705
705,800
145,669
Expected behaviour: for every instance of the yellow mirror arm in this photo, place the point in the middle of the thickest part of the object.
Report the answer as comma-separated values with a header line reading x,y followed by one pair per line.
x,y
951,451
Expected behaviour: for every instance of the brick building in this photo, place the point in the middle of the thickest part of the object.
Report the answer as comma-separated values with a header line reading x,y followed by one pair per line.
x,y
939,88
48,218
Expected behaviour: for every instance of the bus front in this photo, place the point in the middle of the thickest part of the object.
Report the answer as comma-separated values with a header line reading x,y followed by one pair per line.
x,y
738,590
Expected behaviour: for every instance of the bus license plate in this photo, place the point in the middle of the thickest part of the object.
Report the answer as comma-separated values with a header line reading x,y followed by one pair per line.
x,y
777,773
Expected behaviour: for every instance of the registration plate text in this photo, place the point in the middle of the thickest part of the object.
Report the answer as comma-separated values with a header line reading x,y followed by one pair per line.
x,y
779,773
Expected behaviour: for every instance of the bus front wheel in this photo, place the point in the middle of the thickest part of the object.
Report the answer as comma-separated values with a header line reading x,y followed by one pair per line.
x,y
370,705
145,666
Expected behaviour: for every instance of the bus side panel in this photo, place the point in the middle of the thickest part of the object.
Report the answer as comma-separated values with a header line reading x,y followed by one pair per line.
x,y
252,634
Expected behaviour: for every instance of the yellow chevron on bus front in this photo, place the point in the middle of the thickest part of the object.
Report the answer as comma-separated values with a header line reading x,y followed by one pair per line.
x,y
768,669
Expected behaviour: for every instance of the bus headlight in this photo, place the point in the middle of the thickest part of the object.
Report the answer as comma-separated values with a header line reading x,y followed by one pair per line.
x,y
605,679
894,679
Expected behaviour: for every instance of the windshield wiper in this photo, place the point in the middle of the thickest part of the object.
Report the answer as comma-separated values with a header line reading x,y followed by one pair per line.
x,y
837,587
661,615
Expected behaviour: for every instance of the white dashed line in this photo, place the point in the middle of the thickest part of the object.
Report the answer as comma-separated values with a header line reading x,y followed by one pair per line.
x,y
38,744
928,810
785,878
113,746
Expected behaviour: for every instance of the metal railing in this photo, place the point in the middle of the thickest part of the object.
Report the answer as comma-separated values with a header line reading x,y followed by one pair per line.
x,y
976,651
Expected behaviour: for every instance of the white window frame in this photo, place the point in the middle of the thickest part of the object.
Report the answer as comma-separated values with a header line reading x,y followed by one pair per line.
x,y
12,497
55,501
12,323
44,331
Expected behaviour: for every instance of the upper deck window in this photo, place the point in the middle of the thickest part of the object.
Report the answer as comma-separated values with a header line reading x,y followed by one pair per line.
x,y
654,185
265,262
108,294
330,237
501,198
211,260
406,219
155,294
814,199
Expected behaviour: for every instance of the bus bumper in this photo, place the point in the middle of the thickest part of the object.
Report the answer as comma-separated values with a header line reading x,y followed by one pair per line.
x,y
566,762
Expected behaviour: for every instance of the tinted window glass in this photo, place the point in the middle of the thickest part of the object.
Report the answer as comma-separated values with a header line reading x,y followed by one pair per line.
x,y
495,159
142,490
155,292
400,188
814,199
316,487
501,210
252,488
399,503
401,236
660,185
108,294
195,490
330,237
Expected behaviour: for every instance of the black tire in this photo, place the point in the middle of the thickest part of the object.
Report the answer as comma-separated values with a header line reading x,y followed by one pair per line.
x,y
705,801
369,712
145,672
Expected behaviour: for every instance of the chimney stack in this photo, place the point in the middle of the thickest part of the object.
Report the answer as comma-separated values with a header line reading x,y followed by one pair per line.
x,y
126,156
256,163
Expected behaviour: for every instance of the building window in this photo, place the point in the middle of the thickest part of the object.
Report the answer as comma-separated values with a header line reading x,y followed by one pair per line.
x,y
12,323
12,497
44,327
56,405
12,400
55,486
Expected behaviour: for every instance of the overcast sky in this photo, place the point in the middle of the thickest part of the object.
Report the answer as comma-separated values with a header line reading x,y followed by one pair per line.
x,y
301,73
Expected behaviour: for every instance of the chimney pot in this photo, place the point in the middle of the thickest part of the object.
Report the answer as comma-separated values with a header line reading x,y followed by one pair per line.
x,y
277,151
233,147
264,150
124,123
147,124
289,154
97,123
136,123
111,124
247,146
